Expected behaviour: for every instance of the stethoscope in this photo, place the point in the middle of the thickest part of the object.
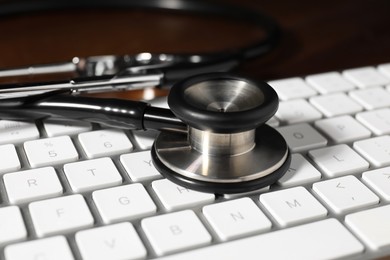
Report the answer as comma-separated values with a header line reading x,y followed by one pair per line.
x,y
213,138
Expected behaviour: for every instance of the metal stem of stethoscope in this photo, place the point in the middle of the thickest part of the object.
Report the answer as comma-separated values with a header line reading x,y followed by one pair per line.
x,y
213,138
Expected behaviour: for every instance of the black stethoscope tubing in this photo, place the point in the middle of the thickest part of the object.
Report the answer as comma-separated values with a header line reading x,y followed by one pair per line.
x,y
184,66
61,106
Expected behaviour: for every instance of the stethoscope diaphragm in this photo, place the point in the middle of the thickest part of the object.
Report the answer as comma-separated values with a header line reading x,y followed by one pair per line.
x,y
228,148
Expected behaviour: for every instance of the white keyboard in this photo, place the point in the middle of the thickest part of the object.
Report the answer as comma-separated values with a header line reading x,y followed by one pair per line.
x,y
81,191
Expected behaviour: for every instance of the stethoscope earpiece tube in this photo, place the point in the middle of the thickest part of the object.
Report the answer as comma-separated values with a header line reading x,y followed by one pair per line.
x,y
118,72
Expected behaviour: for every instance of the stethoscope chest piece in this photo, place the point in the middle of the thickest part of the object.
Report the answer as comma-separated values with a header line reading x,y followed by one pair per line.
x,y
228,148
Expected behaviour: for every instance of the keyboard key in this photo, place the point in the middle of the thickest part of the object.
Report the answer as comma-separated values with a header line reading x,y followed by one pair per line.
x,y
115,242
384,69
10,160
236,218
174,197
293,206
336,104
366,77
378,121
338,160
32,185
48,248
14,132
300,172
245,194
376,150
55,128
329,82
345,194
372,98
292,88
145,139
60,215
379,181
92,174
173,232
342,129
318,240
105,143
11,225
372,226
297,111
122,203
139,166
302,137
50,151
273,122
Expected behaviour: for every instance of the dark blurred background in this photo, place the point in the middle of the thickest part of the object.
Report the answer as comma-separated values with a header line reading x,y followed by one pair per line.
x,y
317,35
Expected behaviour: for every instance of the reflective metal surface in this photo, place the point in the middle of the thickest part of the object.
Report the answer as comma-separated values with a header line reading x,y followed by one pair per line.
x,y
96,73
221,144
100,85
224,95
175,152
39,69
